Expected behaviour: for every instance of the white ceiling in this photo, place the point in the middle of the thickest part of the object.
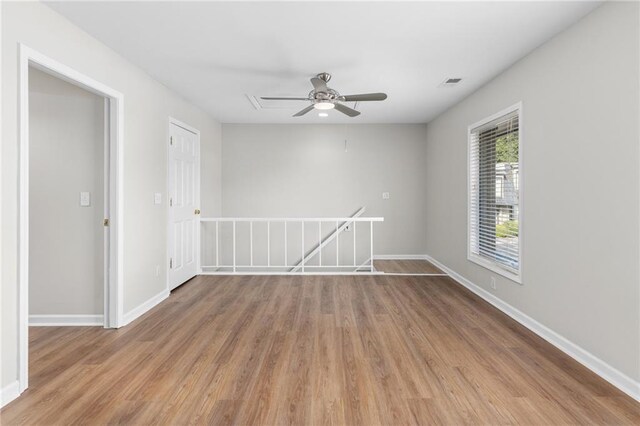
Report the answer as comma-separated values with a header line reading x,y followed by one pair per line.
x,y
216,53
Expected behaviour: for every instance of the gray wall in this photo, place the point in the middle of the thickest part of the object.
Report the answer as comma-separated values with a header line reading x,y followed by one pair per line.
x,y
66,153
304,171
147,108
581,184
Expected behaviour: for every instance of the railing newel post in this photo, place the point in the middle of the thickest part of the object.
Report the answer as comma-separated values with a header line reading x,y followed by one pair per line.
x,y
371,239
234,246
285,243
355,243
217,245
320,242
337,243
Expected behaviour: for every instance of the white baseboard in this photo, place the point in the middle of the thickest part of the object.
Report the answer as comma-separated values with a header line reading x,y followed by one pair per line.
x,y
399,257
144,307
66,320
618,379
9,393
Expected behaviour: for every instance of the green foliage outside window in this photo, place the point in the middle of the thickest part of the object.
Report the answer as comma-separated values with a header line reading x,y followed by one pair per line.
x,y
507,148
507,229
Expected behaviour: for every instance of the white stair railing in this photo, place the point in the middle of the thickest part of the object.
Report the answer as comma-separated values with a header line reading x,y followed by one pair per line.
x,y
322,243
240,257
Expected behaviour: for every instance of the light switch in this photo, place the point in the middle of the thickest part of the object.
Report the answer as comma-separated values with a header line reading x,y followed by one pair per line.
x,y
85,199
385,195
157,198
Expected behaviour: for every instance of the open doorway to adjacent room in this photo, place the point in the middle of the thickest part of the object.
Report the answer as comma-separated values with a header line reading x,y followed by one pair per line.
x,y
70,267
68,199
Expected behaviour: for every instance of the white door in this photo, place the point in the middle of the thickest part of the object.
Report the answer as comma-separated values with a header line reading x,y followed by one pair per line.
x,y
184,198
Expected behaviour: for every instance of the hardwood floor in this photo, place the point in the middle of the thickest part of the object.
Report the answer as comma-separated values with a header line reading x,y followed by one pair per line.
x,y
407,266
312,350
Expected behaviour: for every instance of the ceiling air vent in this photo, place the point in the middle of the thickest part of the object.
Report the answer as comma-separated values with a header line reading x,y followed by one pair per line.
x,y
450,82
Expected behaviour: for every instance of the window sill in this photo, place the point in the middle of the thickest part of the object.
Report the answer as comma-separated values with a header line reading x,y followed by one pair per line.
x,y
494,267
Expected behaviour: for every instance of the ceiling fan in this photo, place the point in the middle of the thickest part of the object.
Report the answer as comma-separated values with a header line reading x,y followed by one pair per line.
x,y
324,98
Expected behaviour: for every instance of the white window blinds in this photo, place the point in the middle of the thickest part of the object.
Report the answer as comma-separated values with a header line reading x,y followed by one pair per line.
x,y
494,198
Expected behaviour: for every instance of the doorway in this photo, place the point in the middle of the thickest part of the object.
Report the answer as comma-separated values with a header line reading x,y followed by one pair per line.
x,y
110,195
68,196
184,199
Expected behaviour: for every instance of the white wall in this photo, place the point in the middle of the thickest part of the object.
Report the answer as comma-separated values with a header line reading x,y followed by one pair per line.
x,y
66,156
303,171
147,107
581,184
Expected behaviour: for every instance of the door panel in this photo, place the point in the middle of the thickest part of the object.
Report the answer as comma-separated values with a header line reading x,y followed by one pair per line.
x,y
177,195
184,197
189,240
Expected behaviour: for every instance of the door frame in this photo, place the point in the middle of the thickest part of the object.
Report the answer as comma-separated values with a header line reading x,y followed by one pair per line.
x,y
176,122
114,164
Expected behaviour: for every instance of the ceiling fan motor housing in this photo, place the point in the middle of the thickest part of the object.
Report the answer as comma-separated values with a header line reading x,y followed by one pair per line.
x,y
329,95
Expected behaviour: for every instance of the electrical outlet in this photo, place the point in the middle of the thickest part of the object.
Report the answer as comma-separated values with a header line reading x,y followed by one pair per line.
x,y
493,283
385,195
157,270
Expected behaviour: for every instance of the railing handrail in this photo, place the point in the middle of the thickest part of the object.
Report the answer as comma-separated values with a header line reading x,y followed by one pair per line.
x,y
292,219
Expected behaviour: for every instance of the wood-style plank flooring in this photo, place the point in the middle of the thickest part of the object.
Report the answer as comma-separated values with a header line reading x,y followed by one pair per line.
x,y
406,266
367,350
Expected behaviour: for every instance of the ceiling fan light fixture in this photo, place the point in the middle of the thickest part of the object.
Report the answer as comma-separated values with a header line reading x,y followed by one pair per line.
x,y
324,105
323,114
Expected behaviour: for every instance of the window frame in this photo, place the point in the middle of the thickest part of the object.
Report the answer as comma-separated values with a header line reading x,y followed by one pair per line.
x,y
510,273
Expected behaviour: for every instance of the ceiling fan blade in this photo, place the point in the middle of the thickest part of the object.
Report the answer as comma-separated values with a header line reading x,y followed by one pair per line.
x,y
319,85
268,98
304,111
365,97
346,110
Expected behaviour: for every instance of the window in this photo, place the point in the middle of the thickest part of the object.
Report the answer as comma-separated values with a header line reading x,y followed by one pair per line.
x,y
494,193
